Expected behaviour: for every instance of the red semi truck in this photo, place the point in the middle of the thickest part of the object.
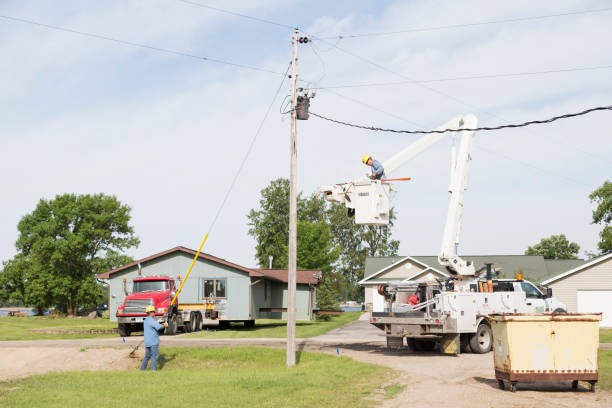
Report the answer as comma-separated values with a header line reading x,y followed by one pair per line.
x,y
158,291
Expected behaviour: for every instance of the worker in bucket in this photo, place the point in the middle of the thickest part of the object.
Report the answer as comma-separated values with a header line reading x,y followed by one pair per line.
x,y
377,168
151,338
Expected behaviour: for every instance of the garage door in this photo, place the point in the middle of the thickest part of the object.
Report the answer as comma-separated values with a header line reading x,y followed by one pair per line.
x,y
596,301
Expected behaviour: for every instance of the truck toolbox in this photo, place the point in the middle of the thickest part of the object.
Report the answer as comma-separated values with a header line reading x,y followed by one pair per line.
x,y
546,347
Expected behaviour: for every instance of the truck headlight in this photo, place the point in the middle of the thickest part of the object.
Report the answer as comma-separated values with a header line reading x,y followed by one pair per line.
x,y
161,310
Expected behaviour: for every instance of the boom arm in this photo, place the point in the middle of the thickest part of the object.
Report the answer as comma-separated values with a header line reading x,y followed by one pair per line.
x,y
368,199
460,163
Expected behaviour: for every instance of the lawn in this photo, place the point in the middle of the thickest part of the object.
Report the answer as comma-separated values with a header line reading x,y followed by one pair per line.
x,y
16,328
278,328
605,335
605,369
223,377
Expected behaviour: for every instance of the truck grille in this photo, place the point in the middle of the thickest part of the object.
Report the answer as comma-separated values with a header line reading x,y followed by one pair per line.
x,y
137,306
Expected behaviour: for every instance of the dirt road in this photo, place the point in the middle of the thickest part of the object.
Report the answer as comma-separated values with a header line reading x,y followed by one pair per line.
x,y
431,379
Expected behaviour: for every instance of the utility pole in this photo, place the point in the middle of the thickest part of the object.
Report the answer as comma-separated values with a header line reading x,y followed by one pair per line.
x,y
291,280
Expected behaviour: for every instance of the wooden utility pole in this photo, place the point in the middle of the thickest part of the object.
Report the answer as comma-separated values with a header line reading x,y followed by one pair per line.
x,y
292,211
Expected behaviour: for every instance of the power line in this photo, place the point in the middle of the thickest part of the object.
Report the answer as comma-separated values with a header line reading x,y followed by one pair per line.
x,y
432,89
249,150
480,23
134,44
374,108
261,20
461,78
482,128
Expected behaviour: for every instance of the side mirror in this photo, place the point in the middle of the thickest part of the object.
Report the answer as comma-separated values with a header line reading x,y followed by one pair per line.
x,y
548,292
172,294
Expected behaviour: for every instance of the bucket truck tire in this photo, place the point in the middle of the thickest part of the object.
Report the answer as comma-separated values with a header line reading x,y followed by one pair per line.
x,y
482,340
249,323
171,329
124,330
559,310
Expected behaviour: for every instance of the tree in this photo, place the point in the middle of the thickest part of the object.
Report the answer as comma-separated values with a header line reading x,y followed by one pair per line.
x,y
603,214
64,242
555,247
270,227
357,243
316,249
270,224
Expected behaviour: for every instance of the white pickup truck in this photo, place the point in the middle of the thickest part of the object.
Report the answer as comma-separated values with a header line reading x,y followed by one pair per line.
x,y
455,320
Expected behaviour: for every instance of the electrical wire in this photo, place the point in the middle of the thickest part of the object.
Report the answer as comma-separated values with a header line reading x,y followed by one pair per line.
x,y
134,44
434,90
261,20
374,108
462,78
475,24
477,129
249,150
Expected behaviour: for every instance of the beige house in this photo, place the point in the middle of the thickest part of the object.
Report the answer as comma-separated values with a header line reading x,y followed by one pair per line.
x,y
586,288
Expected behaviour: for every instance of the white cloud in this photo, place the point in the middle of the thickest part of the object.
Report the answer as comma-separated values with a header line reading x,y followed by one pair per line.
x,y
166,134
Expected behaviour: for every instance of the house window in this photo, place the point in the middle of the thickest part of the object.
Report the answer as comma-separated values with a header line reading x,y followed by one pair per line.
x,y
214,288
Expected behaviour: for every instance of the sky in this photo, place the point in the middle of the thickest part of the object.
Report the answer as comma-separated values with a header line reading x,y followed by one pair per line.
x,y
166,133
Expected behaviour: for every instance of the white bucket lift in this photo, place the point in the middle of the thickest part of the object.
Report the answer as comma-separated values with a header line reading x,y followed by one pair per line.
x,y
367,199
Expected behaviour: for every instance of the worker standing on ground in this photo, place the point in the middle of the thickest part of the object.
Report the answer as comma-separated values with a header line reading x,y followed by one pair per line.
x,y
151,339
377,168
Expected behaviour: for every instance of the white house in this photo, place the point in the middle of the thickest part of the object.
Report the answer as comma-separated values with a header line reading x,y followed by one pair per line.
x,y
586,288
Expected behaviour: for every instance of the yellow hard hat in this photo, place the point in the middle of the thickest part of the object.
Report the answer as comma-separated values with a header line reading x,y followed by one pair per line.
x,y
150,309
365,158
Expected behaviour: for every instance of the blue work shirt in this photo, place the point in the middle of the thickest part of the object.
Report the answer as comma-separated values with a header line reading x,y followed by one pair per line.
x,y
151,337
377,170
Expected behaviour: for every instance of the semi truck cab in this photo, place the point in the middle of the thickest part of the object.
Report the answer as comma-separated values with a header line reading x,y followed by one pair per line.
x,y
156,291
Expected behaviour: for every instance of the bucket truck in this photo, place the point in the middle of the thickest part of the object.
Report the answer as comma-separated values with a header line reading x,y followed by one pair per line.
x,y
450,312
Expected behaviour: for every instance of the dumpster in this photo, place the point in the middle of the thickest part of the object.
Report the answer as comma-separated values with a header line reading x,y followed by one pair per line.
x,y
545,347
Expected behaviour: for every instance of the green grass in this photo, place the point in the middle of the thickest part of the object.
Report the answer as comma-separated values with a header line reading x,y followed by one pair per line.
x,y
605,335
16,328
278,328
392,390
221,377
605,370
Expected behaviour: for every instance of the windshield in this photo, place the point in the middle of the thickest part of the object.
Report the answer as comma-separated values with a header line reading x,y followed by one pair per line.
x,y
150,286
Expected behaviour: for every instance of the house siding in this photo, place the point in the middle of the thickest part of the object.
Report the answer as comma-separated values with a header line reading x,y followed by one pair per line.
x,y
177,264
596,277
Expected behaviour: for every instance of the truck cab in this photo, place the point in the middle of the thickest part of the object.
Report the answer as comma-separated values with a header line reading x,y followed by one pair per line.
x,y
538,297
156,291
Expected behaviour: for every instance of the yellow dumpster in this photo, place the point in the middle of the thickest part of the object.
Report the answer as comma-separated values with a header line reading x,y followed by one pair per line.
x,y
546,347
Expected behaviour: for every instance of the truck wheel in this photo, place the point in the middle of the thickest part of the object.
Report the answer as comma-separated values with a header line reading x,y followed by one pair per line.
x,y
193,322
559,310
199,321
224,324
482,340
423,345
124,330
171,329
395,343
249,323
